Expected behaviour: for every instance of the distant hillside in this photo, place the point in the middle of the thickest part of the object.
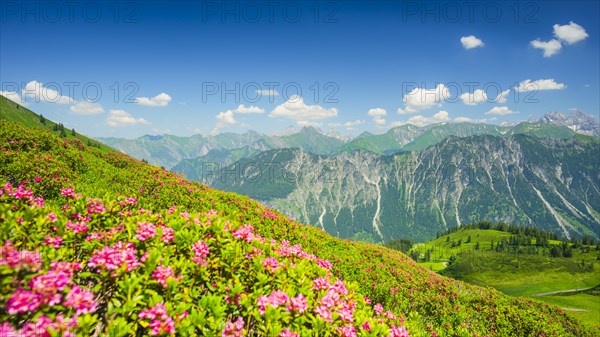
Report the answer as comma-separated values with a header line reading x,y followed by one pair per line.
x,y
14,112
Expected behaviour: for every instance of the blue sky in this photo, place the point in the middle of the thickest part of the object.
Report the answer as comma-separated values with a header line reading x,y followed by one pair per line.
x,y
163,67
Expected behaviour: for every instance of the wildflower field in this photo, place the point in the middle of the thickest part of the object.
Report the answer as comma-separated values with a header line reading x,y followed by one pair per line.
x,y
98,243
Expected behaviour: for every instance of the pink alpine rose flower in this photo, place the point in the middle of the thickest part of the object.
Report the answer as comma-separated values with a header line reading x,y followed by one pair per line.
x,y
270,264
145,231
234,329
53,241
201,251
81,300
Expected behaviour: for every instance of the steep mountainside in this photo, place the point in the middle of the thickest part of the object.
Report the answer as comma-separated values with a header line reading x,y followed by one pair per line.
x,y
548,183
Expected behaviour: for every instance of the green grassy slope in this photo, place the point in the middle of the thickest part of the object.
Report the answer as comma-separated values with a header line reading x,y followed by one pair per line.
x,y
428,302
13,112
585,307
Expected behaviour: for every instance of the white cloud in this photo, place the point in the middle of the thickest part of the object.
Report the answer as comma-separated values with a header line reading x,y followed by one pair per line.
x,y
378,120
270,93
224,119
13,96
549,47
421,99
348,124
294,108
309,123
38,92
501,111
86,108
377,112
420,120
242,109
501,98
478,96
161,99
117,118
469,120
571,33
544,84
470,42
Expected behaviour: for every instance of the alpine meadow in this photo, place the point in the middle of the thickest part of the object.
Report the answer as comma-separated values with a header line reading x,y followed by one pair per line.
x,y
299,168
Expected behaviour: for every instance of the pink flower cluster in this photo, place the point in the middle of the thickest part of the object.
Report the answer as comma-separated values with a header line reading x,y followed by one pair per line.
x,y
167,234
324,263
347,331
332,301
279,298
160,321
95,206
172,209
62,326
82,300
77,227
161,274
128,201
286,250
53,241
274,300
112,258
69,193
270,215
270,264
234,329
245,232
288,333
15,259
299,303
47,289
201,251
21,193
145,231
398,331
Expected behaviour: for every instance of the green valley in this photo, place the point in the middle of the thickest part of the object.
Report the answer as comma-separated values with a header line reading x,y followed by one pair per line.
x,y
521,263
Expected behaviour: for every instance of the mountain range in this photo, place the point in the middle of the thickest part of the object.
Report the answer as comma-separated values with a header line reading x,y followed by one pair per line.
x,y
169,151
408,182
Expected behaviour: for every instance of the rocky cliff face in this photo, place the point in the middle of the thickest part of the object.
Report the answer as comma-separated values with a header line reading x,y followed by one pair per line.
x,y
550,184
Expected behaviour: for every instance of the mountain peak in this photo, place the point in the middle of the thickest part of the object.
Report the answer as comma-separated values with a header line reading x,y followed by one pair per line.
x,y
577,121
290,130
309,129
334,134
